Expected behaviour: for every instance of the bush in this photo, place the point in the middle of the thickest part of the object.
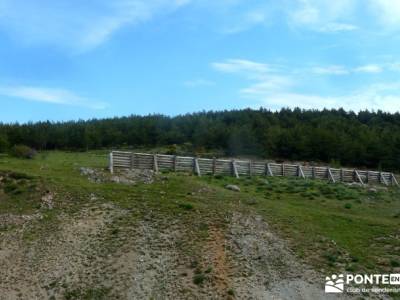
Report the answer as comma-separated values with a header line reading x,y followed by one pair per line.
x,y
22,151
198,279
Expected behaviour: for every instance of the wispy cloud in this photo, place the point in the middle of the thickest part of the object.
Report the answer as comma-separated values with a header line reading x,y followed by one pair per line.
x,y
200,82
331,70
326,16
241,66
369,69
277,88
337,27
342,70
50,95
387,12
74,24
367,97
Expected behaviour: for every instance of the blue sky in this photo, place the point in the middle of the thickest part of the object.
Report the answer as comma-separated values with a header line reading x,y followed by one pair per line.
x,y
71,59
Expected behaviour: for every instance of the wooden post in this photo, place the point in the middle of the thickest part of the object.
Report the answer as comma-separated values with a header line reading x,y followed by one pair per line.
x,y
155,163
330,175
250,168
383,179
358,177
175,163
132,161
269,170
394,180
313,172
111,163
214,166
301,172
283,169
234,169
197,167
341,175
367,179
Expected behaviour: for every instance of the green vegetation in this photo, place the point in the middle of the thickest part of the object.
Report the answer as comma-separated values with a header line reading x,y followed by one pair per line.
x,y
22,151
359,234
366,139
330,226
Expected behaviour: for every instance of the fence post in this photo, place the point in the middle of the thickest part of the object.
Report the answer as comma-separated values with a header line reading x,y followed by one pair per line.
x,y
234,169
269,170
283,170
383,179
155,163
214,166
197,167
111,163
250,168
394,180
300,172
341,175
330,175
175,160
358,177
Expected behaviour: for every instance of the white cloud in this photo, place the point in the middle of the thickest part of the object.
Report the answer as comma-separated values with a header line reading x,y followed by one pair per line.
x,y
75,24
387,12
277,88
341,70
369,69
371,98
322,15
268,84
241,66
198,82
337,27
50,95
331,70
246,21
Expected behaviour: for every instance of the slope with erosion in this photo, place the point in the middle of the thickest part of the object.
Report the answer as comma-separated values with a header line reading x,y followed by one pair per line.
x,y
178,237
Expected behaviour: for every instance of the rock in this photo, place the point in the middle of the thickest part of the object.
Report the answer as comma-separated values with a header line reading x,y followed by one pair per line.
x,y
372,190
124,176
233,187
251,201
47,201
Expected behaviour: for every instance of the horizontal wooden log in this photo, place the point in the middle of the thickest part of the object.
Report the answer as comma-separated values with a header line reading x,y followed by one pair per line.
x,y
127,160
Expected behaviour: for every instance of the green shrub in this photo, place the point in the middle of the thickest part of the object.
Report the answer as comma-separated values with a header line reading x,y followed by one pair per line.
x,y
186,206
198,279
394,263
10,187
22,151
347,205
172,150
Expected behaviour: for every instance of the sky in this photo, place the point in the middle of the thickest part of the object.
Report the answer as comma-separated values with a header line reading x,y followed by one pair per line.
x,y
72,59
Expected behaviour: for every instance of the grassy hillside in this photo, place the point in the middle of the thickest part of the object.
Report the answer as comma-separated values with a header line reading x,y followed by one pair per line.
x,y
186,235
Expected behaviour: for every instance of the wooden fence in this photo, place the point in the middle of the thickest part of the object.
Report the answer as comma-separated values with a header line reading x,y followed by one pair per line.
x,y
237,168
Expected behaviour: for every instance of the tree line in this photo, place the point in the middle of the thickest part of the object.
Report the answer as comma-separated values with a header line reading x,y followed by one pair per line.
x,y
364,139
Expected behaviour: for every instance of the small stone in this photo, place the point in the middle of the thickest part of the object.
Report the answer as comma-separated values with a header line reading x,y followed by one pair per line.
x,y
233,187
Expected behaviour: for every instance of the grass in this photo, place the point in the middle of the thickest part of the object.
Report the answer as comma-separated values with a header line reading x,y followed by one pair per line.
x,y
323,229
328,225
